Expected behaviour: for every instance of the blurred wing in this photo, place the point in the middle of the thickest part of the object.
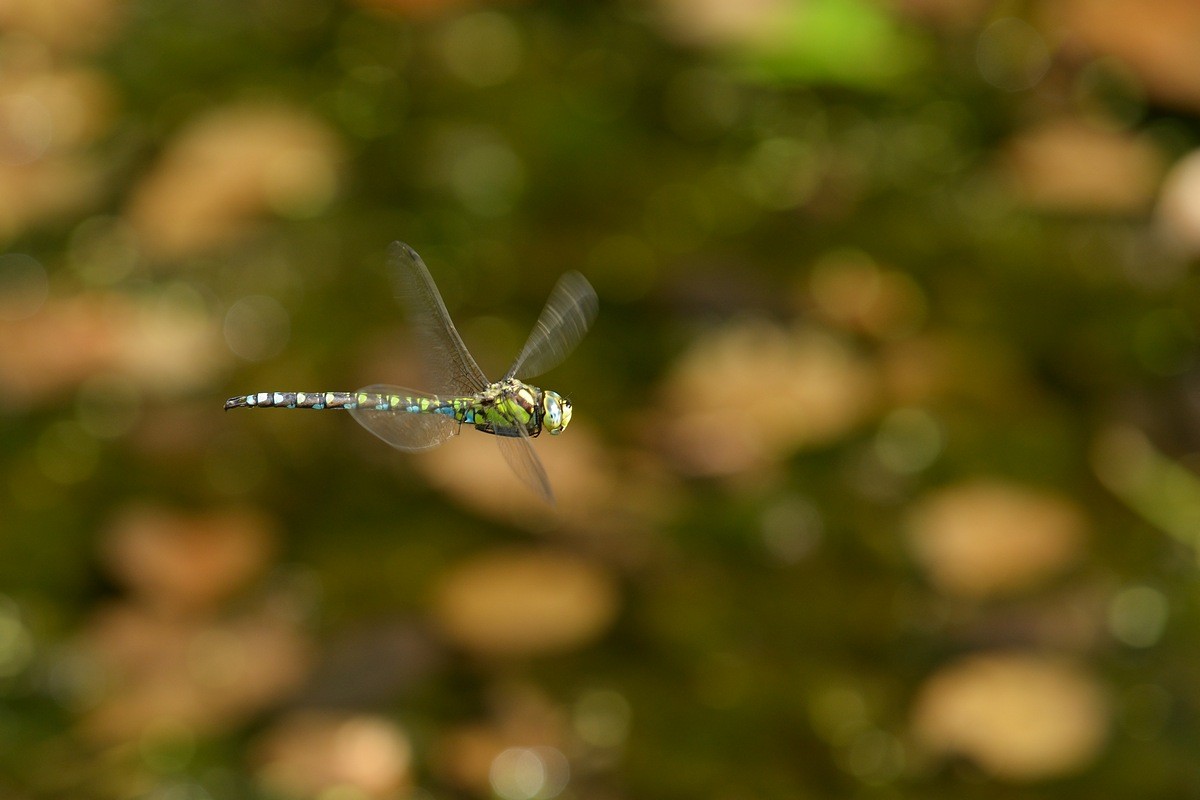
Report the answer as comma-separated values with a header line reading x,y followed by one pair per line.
x,y
518,452
402,430
449,368
565,319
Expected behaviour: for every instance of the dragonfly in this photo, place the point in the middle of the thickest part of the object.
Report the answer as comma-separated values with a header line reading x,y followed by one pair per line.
x,y
460,394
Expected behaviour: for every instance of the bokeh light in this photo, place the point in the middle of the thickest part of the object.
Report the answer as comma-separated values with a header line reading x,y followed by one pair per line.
x,y
1012,54
986,538
513,603
529,773
482,49
1179,205
257,327
1137,616
322,754
16,641
602,718
1019,716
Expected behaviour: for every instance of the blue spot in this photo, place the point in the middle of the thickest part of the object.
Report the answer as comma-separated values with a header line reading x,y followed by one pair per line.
x,y
446,410
412,409
318,406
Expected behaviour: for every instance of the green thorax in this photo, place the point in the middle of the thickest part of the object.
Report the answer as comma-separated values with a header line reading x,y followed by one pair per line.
x,y
505,406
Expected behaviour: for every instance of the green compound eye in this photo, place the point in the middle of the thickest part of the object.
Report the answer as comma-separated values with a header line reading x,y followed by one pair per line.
x,y
558,412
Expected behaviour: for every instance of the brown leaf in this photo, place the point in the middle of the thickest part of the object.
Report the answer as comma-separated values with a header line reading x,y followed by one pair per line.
x,y
987,537
184,563
1020,717
520,603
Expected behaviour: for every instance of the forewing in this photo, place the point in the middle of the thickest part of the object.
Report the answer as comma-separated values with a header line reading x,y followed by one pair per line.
x,y
519,454
401,429
449,368
568,313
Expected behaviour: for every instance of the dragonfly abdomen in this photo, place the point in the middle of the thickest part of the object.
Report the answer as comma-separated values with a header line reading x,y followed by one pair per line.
x,y
316,400
457,408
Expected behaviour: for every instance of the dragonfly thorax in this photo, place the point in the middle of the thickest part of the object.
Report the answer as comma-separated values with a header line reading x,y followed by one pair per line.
x,y
510,404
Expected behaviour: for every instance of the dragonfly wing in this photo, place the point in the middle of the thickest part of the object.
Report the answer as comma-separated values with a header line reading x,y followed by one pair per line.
x,y
449,368
401,429
568,313
519,454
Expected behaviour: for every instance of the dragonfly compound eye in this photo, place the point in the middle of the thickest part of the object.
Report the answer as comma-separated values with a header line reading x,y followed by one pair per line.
x,y
558,412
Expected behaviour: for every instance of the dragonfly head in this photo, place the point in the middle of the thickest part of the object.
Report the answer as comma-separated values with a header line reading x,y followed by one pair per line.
x,y
557,412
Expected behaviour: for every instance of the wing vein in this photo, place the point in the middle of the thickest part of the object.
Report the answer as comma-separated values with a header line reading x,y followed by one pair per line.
x,y
449,367
564,320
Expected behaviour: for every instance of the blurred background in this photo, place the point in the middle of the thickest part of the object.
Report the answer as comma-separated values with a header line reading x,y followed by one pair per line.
x,y
883,474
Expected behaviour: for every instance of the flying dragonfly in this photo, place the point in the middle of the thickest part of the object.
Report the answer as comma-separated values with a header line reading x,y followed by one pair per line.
x,y
460,394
